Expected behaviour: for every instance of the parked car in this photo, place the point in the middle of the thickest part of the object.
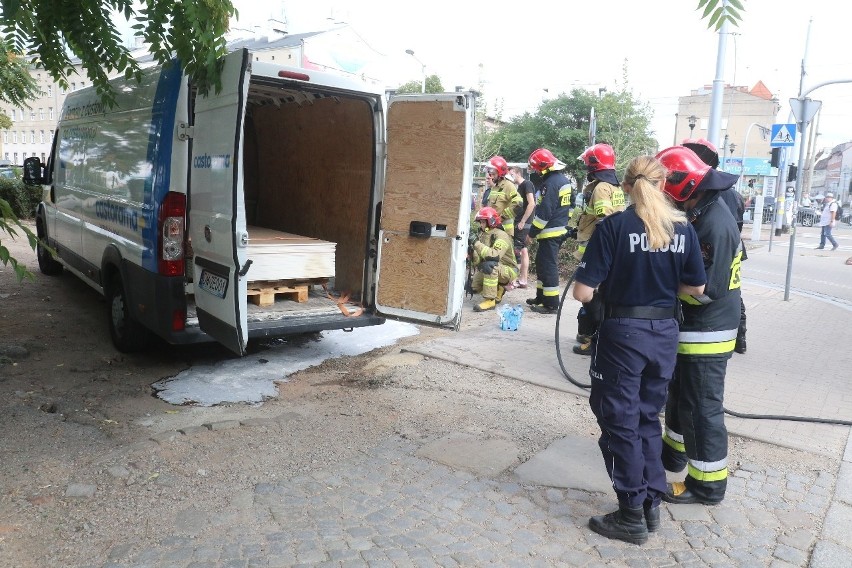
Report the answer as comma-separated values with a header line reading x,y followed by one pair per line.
x,y
808,216
8,172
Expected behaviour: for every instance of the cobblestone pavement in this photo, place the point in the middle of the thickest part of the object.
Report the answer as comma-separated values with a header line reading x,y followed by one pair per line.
x,y
392,508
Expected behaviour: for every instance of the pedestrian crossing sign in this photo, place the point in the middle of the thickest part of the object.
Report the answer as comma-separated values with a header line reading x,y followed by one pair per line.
x,y
783,135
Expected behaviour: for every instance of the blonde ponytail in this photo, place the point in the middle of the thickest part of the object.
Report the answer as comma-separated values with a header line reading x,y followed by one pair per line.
x,y
646,175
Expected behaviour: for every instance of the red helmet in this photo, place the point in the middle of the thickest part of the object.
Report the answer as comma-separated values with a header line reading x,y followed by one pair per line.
x,y
704,149
543,160
490,216
599,157
499,164
685,171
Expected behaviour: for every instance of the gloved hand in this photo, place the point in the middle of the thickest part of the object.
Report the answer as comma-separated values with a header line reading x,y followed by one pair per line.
x,y
478,246
572,232
487,266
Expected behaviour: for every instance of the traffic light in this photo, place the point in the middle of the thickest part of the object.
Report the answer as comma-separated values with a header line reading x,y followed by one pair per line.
x,y
775,161
792,173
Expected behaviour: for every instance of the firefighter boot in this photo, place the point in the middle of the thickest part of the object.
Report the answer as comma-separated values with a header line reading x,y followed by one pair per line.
x,y
583,338
624,524
583,348
485,305
679,494
652,515
500,291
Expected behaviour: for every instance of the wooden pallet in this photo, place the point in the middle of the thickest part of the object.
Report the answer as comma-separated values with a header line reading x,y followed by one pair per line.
x,y
265,295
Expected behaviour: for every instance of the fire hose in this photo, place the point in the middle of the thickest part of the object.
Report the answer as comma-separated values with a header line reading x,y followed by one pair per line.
x,y
577,383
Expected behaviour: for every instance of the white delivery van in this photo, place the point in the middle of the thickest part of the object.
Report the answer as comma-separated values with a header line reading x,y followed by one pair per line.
x,y
333,206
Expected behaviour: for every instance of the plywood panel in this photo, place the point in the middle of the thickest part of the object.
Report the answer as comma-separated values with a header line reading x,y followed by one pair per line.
x,y
413,274
315,165
426,143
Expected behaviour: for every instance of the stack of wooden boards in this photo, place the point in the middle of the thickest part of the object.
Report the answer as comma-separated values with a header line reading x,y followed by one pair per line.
x,y
283,264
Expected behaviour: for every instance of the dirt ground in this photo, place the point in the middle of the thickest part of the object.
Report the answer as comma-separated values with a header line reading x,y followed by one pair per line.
x,y
79,418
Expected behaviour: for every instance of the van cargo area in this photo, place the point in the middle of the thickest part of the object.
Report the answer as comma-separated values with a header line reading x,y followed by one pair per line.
x,y
308,163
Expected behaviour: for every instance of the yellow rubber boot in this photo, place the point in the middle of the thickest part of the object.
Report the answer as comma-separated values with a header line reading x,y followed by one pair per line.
x,y
500,291
485,305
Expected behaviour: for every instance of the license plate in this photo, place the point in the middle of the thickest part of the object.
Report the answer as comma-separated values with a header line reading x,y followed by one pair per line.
x,y
213,283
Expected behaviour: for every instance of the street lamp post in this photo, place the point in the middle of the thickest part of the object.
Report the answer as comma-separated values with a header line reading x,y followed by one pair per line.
x,y
422,70
693,120
763,133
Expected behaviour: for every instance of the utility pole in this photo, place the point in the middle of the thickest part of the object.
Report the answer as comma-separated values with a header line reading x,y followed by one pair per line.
x,y
714,127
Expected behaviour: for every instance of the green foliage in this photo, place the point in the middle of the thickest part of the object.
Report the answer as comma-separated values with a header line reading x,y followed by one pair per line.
x,y
433,85
10,224
5,121
562,126
717,12
17,86
51,33
21,198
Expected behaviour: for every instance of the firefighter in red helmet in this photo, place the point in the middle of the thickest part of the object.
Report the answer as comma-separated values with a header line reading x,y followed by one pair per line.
x,y
548,228
708,153
695,436
602,197
494,259
504,197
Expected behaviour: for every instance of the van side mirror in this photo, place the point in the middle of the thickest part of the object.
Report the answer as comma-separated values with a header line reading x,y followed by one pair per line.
x,y
33,171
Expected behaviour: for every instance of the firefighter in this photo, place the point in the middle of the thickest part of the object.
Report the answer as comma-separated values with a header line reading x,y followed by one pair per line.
x,y
494,259
603,197
548,228
504,196
695,436
706,150
640,260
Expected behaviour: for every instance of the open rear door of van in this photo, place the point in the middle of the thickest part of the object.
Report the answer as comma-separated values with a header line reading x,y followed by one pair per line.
x,y
217,225
426,208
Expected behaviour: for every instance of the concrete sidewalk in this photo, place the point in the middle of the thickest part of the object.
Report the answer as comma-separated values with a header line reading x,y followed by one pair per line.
x,y
773,378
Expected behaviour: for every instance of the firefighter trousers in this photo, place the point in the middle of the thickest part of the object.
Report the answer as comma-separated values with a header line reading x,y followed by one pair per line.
x,y
695,435
547,269
632,365
487,283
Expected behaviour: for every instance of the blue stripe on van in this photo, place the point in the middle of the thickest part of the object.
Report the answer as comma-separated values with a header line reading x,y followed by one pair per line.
x,y
159,155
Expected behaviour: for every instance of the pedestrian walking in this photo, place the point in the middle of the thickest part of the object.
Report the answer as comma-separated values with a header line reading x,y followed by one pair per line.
x,y
827,221
639,261
695,435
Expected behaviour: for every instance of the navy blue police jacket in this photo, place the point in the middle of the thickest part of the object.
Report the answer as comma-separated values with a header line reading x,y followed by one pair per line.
x,y
628,272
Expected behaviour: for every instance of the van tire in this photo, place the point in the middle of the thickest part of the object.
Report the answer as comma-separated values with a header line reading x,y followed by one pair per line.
x,y
47,264
128,335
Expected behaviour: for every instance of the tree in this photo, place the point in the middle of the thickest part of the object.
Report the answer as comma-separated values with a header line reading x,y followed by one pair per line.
x,y
433,85
49,34
716,14
562,126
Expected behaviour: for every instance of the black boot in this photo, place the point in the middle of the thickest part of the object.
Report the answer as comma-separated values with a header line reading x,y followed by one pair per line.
x,y
624,524
652,516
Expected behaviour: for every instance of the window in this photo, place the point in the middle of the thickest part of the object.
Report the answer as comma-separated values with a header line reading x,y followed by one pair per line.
x,y
5,137
50,112
41,114
50,91
42,157
14,137
41,136
32,114
51,134
73,86
32,136
15,160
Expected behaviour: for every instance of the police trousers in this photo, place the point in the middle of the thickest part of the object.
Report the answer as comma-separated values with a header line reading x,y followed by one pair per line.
x,y
695,434
632,365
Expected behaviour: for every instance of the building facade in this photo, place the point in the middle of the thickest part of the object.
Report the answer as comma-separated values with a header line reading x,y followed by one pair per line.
x,y
747,118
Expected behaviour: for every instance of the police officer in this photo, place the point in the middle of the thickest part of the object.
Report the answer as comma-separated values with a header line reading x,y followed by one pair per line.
x,y
548,228
695,435
504,196
494,258
639,260
603,196
706,150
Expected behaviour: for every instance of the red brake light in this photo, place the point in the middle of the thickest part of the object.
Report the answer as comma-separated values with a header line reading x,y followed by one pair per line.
x,y
171,224
294,75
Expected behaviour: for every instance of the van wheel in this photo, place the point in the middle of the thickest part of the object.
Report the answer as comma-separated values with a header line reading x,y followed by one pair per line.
x,y
47,264
128,335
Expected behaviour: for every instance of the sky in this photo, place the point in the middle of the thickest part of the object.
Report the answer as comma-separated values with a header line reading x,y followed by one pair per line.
x,y
522,53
